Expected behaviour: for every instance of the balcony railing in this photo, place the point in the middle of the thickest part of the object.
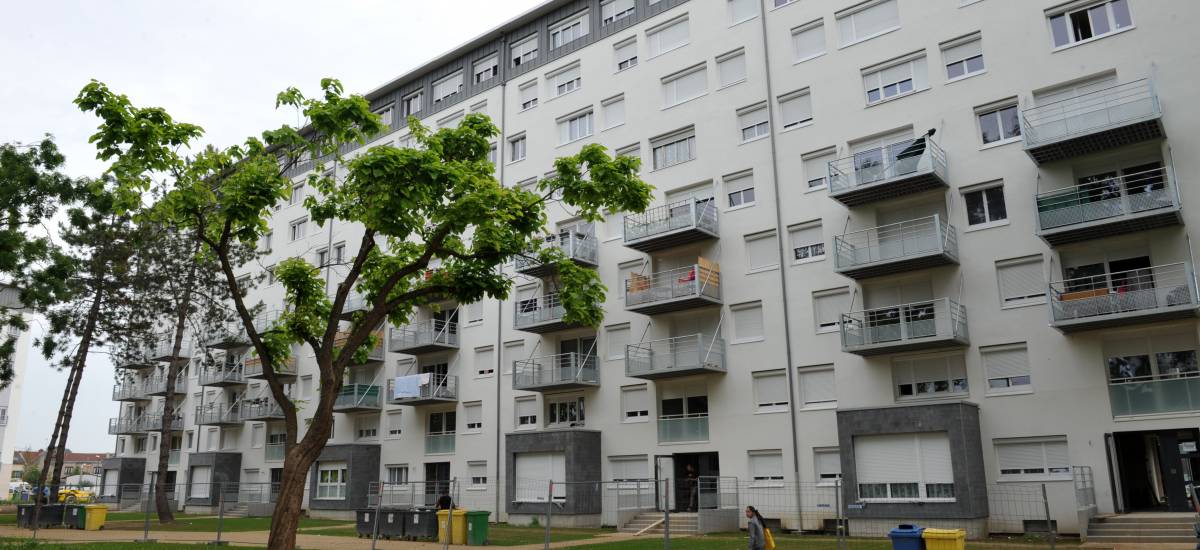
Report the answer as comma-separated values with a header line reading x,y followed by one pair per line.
x,y
261,408
905,327
129,391
253,368
218,416
135,359
541,314
899,169
1112,206
1139,295
164,349
422,389
681,221
225,375
683,428
173,457
1155,394
580,248
1091,122
561,371
678,356
123,426
232,335
674,290
896,248
274,452
374,357
153,422
437,444
358,397
157,384
355,302
424,337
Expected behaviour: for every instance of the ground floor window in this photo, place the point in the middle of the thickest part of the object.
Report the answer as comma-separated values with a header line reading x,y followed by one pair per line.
x,y
904,467
331,481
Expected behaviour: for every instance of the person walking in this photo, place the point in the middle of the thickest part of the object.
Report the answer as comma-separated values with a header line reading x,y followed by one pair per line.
x,y
756,527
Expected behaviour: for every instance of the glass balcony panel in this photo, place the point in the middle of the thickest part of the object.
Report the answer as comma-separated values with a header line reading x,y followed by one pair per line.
x,y
904,168
1147,395
439,443
685,428
556,371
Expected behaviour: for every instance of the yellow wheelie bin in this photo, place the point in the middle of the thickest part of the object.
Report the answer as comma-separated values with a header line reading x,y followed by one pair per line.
x,y
458,528
96,514
945,539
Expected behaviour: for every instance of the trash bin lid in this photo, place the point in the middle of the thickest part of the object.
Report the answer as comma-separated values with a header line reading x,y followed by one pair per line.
x,y
945,534
906,531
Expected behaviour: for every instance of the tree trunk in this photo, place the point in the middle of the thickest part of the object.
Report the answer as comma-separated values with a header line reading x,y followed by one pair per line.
x,y
165,515
47,454
302,455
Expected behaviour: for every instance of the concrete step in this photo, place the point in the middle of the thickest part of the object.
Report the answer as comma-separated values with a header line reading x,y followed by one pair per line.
x,y
1110,531
1142,539
1147,519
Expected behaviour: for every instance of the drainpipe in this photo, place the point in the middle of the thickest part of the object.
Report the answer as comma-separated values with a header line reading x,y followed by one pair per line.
x,y
779,239
498,349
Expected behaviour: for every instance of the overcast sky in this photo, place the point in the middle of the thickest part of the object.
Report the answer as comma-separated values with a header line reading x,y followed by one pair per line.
x,y
218,64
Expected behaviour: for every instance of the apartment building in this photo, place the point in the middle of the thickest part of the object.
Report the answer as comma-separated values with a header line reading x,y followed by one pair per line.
x,y
10,397
926,248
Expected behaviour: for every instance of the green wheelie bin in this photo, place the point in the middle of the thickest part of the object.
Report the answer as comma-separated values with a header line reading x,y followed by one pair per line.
x,y
477,527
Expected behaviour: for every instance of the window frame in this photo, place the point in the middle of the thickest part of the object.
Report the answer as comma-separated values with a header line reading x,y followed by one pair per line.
x,y
813,25
1042,442
656,31
727,57
769,407
794,228
629,62
339,486
762,317
1023,301
556,31
586,115
1067,11
604,109
860,8
794,96
963,41
520,139
641,415
685,135
631,11
983,188
516,47
877,71
670,88
1011,389
950,393
996,109
773,479
818,294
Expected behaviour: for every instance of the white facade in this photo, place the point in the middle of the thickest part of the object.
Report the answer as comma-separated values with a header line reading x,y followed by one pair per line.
x,y
10,397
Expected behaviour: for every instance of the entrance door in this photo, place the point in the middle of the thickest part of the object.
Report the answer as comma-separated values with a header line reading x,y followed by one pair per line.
x,y
1153,469
437,481
696,484
664,477
583,348
276,480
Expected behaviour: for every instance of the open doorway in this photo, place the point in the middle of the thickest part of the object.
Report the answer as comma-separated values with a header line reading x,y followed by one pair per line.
x,y
693,480
1151,470
437,481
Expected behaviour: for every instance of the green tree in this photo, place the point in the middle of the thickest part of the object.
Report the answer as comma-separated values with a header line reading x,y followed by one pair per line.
x,y
435,222
31,475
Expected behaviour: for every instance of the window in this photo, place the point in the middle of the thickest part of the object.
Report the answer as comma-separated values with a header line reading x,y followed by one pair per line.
x,y
781,3
935,376
674,149
1021,281
477,470
487,69
615,10
999,124
485,361
339,253
534,471
397,473
200,482
473,412
331,481
740,189
818,388
257,435
796,108
816,169
617,337
747,322
635,404
629,469
684,85
668,36
475,313
742,10
762,252
564,411
828,463
366,427
524,51
828,307
574,127
569,31
1093,21
985,206
770,391
1007,367
808,242
1033,459
753,122
528,93
766,466
297,195
895,80
731,68
264,244
512,352
394,428
963,57
626,55
445,88
516,148
867,20
442,423
614,111
904,466
451,121
297,229
633,151
386,114
808,41
526,413
564,81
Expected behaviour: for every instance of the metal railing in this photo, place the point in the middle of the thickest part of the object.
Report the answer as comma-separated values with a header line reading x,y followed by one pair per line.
x,y
440,386
439,443
153,422
354,302
375,354
218,415
1106,199
1155,394
550,370
895,162
1089,112
941,317
173,456
164,346
683,282
122,425
698,212
128,390
683,427
260,408
897,241
158,384
358,396
538,310
1137,290
434,332
577,247
253,367
681,353
135,358
221,374
274,452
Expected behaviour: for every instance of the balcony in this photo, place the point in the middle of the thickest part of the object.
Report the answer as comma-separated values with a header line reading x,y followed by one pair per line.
x,y
355,303
123,426
579,248
423,389
261,408
1114,206
253,368
439,444
675,223
556,372
672,357
164,350
374,357
223,376
425,337
541,314
157,385
232,335
358,398
896,248
154,422
173,457
683,428
1092,122
894,171
907,327
134,359
274,452
1155,395
218,416
1120,299
129,391
674,290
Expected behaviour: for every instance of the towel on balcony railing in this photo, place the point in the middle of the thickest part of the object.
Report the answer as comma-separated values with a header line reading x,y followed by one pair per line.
x,y
409,386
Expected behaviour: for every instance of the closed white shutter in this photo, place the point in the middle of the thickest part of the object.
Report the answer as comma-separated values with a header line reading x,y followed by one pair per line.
x,y
809,41
818,386
618,338
475,312
741,10
1020,458
890,458
201,478
731,69
936,466
766,465
635,399
962,51
110,484
816,170
474,414
828,308
1021,281
747,321
532,472
867,22
806,234
614,112
752,118
629,467
667,38
1056,456
528,93
686,86
796,109
771,390
761,252
828,462
625,51
1006,362
447,86
485,361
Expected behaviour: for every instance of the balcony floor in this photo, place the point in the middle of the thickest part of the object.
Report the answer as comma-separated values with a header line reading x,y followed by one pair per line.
x,y
134,398
1118,225
1115,320
899,265
419,401
670,239
553,325
890,189
677,304
164,393
1134,131
911,344
228,344
223,383
285,376
237,422
674,373
356,408
262,417
424,348
555,386
540,270
137,365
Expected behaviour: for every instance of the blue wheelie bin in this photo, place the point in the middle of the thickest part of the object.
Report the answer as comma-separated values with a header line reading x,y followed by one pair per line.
x,y
907,537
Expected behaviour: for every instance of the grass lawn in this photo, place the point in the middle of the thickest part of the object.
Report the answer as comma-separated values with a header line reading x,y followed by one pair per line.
x,y
11,519
727,541
499,534
209,524
24,544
